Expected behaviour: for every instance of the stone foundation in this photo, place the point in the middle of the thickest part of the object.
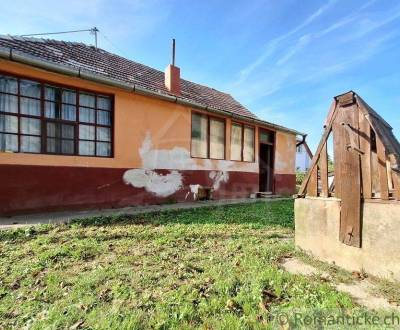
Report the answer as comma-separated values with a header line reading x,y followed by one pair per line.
x,y
317,232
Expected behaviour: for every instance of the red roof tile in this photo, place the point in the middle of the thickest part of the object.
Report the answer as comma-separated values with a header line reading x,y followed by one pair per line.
x,y
99,61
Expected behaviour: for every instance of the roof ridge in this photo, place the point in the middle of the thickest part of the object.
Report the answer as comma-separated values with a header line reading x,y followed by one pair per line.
x,y
120,68
41,40
62,42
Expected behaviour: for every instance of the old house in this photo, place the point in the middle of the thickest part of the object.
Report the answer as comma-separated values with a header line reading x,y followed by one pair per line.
x,y
83,128
303,156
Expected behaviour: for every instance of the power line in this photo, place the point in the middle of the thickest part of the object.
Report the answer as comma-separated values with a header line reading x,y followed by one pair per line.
x,y
119,49
93,30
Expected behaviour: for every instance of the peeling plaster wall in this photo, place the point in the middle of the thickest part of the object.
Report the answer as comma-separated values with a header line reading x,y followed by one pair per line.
x,y
152,141
175,159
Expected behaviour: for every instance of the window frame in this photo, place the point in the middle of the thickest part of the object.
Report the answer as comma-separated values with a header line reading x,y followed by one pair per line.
x,y
243,125
45,120
209,118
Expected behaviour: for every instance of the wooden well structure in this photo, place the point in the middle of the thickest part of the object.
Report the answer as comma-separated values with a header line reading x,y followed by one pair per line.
x,y
366,157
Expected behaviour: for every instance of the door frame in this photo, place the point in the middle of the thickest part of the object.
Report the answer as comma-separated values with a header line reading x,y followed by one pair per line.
x,y
273,147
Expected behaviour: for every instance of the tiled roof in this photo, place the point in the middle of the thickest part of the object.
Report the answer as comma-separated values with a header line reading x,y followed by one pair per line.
x,y
99,61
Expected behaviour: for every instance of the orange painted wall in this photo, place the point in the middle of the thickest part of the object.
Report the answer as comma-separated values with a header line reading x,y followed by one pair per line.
x,y
135,116
285,159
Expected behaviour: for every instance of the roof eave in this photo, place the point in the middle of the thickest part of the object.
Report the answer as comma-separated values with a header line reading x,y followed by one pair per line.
x,y
17,56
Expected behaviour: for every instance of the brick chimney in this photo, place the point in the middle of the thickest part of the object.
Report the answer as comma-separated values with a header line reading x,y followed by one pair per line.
x,y
173,75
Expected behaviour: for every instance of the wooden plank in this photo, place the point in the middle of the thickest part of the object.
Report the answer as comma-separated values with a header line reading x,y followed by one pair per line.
x,y
321,144
395,178
383,180
350,216
338,149
323,163
312,187
365,146
346,99
396,185
389,175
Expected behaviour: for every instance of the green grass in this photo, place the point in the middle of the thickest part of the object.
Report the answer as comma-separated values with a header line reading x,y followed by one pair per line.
x,y
208,268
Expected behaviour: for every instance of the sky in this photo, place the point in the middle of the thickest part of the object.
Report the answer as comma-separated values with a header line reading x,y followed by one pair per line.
x,y
284,60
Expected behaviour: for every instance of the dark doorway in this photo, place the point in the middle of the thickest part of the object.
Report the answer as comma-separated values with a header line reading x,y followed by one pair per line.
x,y
266,167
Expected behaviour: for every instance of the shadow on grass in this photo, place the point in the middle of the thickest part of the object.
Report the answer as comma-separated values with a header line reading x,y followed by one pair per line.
x,y
255,215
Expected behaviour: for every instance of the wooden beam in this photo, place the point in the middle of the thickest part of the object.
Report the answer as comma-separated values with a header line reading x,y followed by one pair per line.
x,y
338,149
396,185
350,215
323,165
324,138
383,180
395,178
365,146
389,175
312,187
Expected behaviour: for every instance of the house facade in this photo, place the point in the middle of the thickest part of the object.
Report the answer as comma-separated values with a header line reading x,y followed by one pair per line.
x,y
303,157
83,128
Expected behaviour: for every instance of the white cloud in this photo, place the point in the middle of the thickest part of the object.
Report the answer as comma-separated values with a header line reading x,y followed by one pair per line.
x,y
274,43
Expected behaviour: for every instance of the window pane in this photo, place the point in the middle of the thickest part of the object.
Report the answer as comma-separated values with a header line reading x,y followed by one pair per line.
x,y
104,103
236,142
8,142
51,145
248,145
266,137
8,103
199,135
217,139
86,132
103,149
30,106
29,88
86,148
58,130
68,96
86,100
8,85
67,147
30,126
68,112
87,115
52,93
8,124
103,117
67,131
60,146
30,144
103,134
52,110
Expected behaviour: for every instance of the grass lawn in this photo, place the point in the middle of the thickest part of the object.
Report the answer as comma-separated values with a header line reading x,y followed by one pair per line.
x,y
208,268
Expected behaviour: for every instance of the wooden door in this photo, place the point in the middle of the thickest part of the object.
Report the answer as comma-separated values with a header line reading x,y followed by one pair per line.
x,y
266,167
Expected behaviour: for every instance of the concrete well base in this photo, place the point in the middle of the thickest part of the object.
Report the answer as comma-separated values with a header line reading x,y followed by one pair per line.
x,y
317,232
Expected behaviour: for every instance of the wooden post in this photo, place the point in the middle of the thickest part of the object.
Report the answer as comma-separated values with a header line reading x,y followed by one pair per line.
x,y
312,188
324,171
395,178
350,185
328,129
365,146
383,180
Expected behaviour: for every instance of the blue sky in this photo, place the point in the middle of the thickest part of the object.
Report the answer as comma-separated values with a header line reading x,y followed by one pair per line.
x,y
284,60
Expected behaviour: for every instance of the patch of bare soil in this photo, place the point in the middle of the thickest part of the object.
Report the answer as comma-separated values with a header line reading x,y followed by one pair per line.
x,y
362,290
